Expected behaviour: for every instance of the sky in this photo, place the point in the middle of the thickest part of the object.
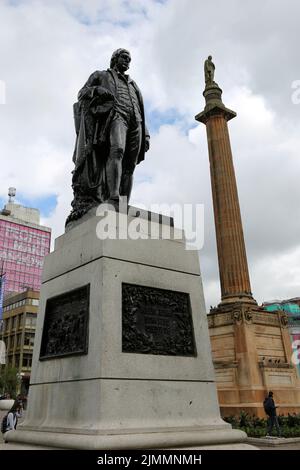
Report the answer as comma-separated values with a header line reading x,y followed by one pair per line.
x,y
48,49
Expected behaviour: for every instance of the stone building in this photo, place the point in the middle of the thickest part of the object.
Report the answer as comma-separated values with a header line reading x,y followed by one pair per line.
x,y
24,243
18,331
252,353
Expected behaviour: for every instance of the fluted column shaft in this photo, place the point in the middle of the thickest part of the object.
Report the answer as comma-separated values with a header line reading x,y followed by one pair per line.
x,y
233,266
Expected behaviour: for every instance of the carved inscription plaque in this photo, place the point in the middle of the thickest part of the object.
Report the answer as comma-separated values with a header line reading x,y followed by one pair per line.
x,y
156,321
65,329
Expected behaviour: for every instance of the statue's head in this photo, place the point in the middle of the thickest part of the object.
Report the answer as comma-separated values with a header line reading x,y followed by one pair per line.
x,y
120,59
209,57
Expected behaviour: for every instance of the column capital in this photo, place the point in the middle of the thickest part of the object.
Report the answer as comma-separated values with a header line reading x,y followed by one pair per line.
x,y
214,105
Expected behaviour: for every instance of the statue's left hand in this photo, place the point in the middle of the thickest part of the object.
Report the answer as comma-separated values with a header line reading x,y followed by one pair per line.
x,y
147,143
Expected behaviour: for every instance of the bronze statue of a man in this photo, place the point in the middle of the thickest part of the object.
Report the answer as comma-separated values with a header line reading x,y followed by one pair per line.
x,y
112,136
209,71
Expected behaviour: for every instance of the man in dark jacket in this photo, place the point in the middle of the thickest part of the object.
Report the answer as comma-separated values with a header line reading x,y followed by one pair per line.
x,y
112,136
270,409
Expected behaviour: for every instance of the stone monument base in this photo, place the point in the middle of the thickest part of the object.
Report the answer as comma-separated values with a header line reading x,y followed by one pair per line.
x,y
122,355
185,439
252,354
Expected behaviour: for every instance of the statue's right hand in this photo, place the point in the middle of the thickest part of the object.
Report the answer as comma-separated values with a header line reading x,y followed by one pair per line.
x,y
109,96
104,93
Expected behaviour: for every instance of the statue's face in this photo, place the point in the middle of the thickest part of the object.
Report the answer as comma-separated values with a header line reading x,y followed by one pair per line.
x,y
123,62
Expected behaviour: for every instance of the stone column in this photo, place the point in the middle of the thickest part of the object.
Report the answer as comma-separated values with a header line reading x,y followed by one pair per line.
x,y
233,267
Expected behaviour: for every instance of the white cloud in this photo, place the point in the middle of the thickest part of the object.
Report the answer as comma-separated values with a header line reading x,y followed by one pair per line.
x,y
278,274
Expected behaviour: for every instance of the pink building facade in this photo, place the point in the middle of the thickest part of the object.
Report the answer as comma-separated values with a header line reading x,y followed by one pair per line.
x,y
23,246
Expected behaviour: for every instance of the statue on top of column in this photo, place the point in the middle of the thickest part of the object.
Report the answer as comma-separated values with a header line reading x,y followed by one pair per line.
x,y
209,72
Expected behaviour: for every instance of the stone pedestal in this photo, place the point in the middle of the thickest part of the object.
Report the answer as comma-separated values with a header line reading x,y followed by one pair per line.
x,y
122,356
252,353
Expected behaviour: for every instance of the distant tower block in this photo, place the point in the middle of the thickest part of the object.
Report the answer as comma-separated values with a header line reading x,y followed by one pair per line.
x,y
24,243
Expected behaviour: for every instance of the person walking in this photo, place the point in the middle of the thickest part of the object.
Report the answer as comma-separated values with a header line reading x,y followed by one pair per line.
x,y
270,409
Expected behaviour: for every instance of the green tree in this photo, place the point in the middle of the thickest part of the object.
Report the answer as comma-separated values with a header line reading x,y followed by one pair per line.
x,y
9,380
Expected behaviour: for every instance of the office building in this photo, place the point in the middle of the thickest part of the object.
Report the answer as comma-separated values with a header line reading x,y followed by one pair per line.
x,y
18,330
23,245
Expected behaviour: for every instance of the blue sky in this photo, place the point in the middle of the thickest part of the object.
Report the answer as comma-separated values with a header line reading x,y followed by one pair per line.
x,y
46,205
170,116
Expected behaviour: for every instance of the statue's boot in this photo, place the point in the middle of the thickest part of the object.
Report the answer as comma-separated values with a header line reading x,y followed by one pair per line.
x,y
126,185
114,173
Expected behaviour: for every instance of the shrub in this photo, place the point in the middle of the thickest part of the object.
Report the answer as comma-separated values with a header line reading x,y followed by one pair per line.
x,y
257,427
232,420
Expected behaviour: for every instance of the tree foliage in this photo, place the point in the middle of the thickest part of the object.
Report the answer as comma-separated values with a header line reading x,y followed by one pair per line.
x,y
9,381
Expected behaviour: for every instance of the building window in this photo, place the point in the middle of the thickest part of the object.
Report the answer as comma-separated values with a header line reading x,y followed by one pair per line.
x,y
19,340
29,339
27,360
30,320
7,322
17,361
25,249
21,320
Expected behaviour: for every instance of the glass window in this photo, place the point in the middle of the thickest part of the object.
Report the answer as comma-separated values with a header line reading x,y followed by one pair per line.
x,y
17,361
24,254
30,319
7,324
29,339
27,360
